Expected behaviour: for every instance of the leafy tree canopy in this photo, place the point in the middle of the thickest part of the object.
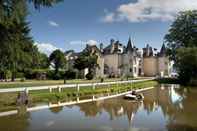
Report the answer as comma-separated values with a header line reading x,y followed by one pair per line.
x,y
182,33
58,59
14,9
87,59
182,45
17,51
187,64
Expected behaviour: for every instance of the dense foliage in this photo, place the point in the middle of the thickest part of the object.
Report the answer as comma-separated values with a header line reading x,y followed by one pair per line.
x,y
57,58
14,9
87,59
17,52
183,32
182,37
187,65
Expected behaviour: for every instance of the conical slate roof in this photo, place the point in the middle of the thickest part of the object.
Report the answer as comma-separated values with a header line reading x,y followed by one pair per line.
x,y
129,46
162,51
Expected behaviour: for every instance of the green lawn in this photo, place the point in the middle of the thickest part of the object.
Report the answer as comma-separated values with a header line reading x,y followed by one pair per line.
x,y
8,100
30,83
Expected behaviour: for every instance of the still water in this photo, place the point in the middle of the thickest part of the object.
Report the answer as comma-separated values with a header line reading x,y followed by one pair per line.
x,y
165,108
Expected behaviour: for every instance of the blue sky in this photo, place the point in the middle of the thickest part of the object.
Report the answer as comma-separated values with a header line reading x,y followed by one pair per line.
x,y
72,23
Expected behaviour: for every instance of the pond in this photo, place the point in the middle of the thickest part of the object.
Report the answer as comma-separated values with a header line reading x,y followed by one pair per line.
x,y
165,108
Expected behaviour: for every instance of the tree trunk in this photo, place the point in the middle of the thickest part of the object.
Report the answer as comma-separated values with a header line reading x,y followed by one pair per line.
x,y
13,76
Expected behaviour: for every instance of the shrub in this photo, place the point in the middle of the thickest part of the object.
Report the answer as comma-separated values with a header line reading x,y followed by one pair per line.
x,y
35,74
8,74
70,74
50,74
55,76
28,73
19,75
22,79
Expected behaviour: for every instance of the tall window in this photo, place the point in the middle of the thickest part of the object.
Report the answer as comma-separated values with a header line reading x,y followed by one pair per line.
x,y
130,69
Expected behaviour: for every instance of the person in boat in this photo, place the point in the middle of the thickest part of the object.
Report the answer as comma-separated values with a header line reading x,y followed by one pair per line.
x,y
134,93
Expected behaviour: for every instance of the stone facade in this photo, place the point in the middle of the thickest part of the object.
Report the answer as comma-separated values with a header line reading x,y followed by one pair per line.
x,y
120,60
156,64
117,60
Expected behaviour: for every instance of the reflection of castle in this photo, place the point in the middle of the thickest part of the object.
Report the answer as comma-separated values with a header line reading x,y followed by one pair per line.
x,y
154,99
117,60
115,107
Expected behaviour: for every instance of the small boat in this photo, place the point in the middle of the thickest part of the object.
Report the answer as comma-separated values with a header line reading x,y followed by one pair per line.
x,y
134,96
130,96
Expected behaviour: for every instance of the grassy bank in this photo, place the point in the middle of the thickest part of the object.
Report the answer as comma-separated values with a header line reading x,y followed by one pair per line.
x,y
30,83
8,100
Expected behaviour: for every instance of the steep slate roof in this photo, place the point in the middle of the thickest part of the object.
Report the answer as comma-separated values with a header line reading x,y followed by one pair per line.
x,y
162,51
113,48
129,46
131,49
93,49
107,49
147,51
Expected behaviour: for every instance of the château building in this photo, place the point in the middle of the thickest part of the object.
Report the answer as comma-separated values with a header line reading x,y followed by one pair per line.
x,y
119,60
156,64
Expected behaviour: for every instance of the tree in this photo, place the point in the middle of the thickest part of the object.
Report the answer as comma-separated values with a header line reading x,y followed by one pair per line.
x,y
182,37
187,64
14,9
43,61
46,3
17,48
17,51
183,32
57,58
87,59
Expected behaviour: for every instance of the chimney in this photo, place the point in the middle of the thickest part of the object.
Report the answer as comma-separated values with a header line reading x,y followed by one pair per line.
x,y
112,41
101,47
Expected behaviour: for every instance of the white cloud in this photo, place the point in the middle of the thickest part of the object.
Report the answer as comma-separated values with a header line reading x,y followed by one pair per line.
x,y
92,42
144,10
108,18
46,48
79,42
53,23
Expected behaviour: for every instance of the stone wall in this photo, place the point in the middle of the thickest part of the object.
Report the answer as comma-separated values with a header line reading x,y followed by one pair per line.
x,y
113,62
100,69
163,66
150,66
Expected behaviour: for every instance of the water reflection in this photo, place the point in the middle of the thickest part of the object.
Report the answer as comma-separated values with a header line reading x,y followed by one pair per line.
x,y
164,108
18,122
176,105
56,110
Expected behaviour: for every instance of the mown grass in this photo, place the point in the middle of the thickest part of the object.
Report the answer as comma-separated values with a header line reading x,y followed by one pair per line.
x,y
30,83
8,100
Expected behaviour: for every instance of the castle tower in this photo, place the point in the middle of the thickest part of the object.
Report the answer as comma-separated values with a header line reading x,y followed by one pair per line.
x,y
163,62
150,67
162,52
129,47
